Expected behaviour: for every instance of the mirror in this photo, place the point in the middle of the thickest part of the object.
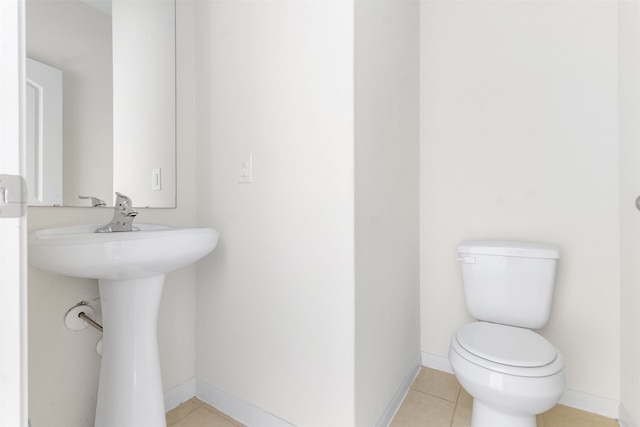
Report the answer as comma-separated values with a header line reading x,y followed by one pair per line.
x,y
101,101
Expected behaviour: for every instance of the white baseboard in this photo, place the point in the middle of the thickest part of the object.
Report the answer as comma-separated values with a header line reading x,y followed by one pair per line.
x,y
176,395
625,419
438,363
237,409
591,403
230,405
576,399
251,415
399,395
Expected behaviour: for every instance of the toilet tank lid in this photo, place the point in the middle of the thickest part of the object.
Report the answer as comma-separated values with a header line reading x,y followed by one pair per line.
x,y
508,248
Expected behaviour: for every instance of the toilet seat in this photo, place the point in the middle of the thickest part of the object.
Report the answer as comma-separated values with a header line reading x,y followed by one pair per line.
x,y
507,349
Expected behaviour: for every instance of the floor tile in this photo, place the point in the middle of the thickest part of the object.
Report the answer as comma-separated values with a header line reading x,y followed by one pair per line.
x,y
437,383
564,416
420,410
462,416
184,409
203,417
464,398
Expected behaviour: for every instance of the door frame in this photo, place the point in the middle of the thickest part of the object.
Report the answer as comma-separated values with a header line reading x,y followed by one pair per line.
x,y
13,254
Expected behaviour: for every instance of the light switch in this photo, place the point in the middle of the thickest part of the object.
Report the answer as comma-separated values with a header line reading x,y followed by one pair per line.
x,y
156,179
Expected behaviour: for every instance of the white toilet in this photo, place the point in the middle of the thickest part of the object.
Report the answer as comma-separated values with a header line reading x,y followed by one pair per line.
x,y
512,372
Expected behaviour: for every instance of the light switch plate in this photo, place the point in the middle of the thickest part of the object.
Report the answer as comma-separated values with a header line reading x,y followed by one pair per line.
x,y
156,179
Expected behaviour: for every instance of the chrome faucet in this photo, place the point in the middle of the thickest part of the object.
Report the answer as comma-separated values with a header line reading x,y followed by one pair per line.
x,y
123,216
95,201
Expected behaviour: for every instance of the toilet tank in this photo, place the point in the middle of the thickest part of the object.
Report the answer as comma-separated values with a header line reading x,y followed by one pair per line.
x,y
508,282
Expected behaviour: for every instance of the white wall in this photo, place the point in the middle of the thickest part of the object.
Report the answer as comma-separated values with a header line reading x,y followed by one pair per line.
x,y
290,285
629,98
63,367
519,141
275,300
387,36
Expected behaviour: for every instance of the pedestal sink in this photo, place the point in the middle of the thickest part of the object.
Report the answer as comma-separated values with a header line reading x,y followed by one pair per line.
x,y
130,268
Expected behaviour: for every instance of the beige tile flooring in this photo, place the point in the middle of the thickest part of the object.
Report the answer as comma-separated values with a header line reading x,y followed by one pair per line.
x,y
195,413
434,400
437,400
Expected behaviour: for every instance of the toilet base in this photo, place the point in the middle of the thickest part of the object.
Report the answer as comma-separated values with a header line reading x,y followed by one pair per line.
x,y
485,416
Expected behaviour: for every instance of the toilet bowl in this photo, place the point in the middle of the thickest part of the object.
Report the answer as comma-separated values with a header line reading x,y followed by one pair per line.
x,y
511,372
510,380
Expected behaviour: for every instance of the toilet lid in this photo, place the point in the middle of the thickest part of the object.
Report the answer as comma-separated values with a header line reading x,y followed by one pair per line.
x,y
508,345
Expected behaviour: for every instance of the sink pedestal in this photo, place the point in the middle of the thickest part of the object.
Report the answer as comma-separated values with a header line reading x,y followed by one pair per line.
x,y
130,268
130,390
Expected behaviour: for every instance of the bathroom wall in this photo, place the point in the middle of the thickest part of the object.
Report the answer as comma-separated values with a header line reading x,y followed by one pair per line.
x,y
63,366
629,104
387,36
520,141
275,322
308,260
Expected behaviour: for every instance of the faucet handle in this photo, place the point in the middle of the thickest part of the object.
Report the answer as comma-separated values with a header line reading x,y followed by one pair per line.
x,y
123,215
95,202
123,205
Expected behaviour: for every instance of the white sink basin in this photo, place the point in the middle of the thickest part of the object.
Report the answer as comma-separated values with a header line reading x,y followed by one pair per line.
x,y
154,250
130,267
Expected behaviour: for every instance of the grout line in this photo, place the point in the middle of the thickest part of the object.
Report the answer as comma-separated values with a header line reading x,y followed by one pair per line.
x,y
198,402
455,408
221,414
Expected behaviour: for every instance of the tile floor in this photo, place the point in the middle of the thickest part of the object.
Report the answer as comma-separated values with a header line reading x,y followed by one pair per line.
x,y
195,413
434,400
